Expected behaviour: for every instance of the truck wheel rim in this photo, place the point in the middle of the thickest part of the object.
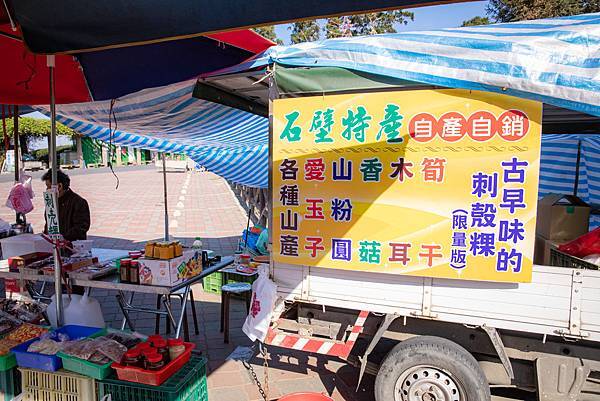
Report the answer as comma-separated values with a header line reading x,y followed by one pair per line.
x,y
426,383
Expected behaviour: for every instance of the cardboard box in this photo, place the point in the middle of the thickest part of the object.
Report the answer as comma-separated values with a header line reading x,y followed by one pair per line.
x,y
562,217
170,272
541,252
24,244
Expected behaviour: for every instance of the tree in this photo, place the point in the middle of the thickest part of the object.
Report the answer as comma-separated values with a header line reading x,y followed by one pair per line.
x,y
30,128
305,31
367,24
476,21
519,10
269,33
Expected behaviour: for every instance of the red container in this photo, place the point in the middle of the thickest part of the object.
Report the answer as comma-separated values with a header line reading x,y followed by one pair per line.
x,y
305,397
156,377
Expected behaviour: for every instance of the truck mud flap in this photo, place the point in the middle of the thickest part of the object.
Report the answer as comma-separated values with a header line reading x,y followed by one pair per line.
x,y
318,345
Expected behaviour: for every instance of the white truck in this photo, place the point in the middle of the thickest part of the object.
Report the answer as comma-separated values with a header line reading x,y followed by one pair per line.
x,y
443,338
425,339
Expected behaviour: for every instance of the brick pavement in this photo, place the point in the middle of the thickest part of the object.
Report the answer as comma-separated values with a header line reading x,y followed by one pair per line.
x,y
199,204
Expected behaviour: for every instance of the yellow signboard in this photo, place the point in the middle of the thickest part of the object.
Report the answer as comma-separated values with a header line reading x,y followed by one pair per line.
x,y
436,183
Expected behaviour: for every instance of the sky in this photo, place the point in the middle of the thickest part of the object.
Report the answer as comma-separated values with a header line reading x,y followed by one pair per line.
x,y
432,17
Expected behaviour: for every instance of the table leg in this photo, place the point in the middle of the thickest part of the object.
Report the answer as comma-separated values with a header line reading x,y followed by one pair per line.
x,y
121,301
167,304
186,294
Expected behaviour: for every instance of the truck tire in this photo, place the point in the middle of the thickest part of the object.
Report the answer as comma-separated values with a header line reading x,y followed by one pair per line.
x,y
430,369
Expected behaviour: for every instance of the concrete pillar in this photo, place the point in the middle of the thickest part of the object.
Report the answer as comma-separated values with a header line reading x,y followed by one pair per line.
x,y
104,154
118,154
79,151
138,156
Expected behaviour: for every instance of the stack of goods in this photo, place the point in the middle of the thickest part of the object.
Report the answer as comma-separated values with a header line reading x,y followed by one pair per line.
x,y
93,356
30,312
41,352
18,333
187,384
163,250
164,264
153,361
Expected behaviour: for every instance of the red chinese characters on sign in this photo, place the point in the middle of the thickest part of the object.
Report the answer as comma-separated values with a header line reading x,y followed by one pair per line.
x,y
452,126
481,126
513,125
422,127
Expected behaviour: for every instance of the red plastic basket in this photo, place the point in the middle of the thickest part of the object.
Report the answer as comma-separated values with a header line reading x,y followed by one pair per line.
x,y
157,377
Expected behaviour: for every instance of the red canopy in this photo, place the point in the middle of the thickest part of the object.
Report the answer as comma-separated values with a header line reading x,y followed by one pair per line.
x,y
24,76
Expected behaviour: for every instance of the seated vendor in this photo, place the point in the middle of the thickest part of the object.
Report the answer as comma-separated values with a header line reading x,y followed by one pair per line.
x,y
73,210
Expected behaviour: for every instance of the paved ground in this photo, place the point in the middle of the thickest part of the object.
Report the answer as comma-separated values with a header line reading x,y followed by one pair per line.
x,y
199,204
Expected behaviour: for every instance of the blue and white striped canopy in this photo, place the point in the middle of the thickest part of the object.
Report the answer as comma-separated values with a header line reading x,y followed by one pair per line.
x,y
227,141
556,61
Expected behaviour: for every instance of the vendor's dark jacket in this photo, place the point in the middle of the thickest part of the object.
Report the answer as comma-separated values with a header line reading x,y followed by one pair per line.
x,y
73,216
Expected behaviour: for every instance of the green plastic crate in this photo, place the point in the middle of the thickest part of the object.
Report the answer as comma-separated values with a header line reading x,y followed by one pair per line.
x,y
7,362
188,384
213,283
10,384
87,368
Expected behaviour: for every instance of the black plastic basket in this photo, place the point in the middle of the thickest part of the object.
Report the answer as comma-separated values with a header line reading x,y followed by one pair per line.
x,y
561,259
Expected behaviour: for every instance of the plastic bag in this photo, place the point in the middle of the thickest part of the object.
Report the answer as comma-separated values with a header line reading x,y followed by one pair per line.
x,y
84,311
82,349
45,346
587,244
19,199
593,259
110,349
264,295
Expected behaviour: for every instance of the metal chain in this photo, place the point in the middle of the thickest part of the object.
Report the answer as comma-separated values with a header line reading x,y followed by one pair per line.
x,y
264,392
263,351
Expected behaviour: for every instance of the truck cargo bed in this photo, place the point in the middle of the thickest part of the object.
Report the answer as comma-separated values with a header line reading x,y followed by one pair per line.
x,y
558,301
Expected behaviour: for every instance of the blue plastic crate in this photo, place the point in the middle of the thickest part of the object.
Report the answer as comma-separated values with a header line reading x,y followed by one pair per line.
x,y
49,363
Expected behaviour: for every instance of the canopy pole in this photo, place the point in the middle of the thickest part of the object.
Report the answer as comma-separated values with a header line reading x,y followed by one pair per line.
x,y
164,171
19,218
16,137
53,162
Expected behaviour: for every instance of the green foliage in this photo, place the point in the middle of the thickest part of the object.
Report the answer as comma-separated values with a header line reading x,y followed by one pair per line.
x,y
42,154
269,33
30,128
367,24
476,21
519,10
305,31
37,127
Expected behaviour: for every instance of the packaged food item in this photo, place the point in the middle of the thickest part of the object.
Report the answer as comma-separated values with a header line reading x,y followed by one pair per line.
x,y
82,349
99,359
26,332
46,346
6,345
162,348
176,348
110,348
7,324
133,357
29,312
245,258
134,272
149,249
127,340
124,270
154,362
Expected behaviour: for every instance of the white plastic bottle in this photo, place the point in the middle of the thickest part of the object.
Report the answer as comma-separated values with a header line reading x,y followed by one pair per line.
x,y
197,245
